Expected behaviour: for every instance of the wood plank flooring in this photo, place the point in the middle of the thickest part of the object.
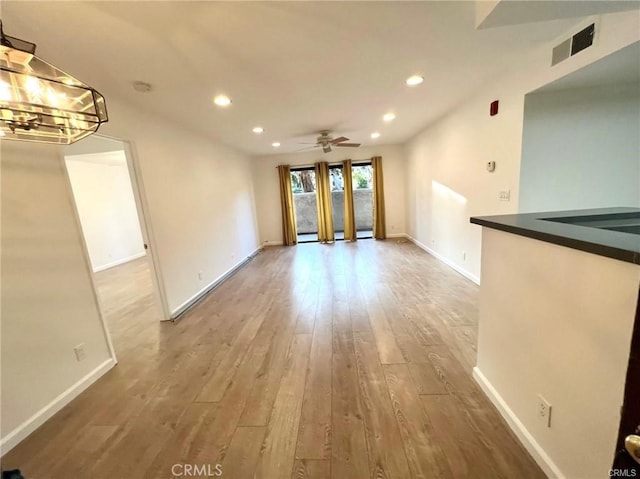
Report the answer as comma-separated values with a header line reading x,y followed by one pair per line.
x,y
342,361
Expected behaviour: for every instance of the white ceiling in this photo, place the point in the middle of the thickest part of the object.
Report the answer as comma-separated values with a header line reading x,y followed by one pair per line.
x,y
500,13
292,67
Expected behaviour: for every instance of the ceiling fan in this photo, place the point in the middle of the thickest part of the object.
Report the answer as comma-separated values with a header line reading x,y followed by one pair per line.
x,y
326,141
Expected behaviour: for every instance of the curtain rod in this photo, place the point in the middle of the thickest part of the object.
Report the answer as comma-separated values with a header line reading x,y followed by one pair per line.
x,y
353,162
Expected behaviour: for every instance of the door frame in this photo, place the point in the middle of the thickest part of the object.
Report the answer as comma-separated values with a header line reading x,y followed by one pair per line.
x,y
146,229
142,206
630,410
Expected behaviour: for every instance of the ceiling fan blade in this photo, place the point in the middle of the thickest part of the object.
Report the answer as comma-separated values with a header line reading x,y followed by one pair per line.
x,y
307,143
339,140
306,148
348,145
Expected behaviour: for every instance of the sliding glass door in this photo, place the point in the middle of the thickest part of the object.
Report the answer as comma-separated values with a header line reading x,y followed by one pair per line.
x,y
362,174
303,184
337,200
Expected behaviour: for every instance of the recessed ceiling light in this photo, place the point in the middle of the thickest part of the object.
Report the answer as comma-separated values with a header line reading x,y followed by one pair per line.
x,y
275,144
389,117
375,135
222,100
415,80
258,130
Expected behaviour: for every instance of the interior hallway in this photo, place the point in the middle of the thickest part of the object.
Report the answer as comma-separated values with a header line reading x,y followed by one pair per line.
x,y
350,360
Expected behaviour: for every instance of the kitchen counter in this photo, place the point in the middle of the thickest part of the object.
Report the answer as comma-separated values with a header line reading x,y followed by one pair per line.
x,y
558,299
610,232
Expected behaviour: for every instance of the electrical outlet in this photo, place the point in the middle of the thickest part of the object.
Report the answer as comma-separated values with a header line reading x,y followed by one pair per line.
x,y
200,275
505,195
464,256
544,411
80,352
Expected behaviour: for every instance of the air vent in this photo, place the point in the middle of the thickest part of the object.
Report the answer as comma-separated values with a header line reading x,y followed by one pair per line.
x,y
578,42
583,39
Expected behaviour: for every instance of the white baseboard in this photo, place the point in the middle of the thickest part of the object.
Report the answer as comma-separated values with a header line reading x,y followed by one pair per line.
x,y
16,436
272,243
119,262
189,303
446,261
392,235
525,437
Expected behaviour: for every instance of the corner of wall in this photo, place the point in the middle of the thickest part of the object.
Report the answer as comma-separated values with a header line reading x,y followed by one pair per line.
x,y
525,437
40,417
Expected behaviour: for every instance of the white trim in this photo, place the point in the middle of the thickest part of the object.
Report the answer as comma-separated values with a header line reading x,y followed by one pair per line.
x,y
272,243
20,433
102,158
525,437
212,285
446,261
144,216
119,262
393,235
87,259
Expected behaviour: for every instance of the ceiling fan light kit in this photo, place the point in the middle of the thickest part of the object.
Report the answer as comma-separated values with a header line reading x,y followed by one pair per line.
x,y
39,102
326,141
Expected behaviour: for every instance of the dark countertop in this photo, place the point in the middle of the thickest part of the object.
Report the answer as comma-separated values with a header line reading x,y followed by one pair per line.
x,y
603,242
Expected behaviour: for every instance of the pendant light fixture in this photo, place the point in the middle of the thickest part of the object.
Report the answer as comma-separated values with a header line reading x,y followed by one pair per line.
x,y
39,102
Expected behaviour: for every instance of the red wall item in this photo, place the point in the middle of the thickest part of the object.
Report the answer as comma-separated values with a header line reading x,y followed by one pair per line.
x,y
493,109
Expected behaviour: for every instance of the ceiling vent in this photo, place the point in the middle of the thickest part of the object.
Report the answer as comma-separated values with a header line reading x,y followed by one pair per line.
x,y
581,40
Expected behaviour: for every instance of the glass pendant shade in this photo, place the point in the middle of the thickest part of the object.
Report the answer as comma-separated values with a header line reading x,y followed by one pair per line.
x,y
39,102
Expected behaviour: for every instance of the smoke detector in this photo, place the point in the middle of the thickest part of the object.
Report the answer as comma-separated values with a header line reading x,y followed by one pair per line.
x,y
142,86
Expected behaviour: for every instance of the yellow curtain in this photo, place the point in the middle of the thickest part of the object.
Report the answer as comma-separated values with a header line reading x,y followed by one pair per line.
x,y
289,233
379,222
323,203
349,214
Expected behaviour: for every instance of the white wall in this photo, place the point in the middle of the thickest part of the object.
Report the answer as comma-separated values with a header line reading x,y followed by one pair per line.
x,y
581,148
199,196
267,187
201,216
106,207
48,305
557,322
454,150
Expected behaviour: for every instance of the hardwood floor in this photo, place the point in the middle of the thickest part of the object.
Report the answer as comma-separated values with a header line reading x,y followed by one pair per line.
x,y
341,361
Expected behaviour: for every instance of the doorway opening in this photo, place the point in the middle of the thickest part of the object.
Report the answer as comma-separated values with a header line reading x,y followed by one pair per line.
x,y
105,194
